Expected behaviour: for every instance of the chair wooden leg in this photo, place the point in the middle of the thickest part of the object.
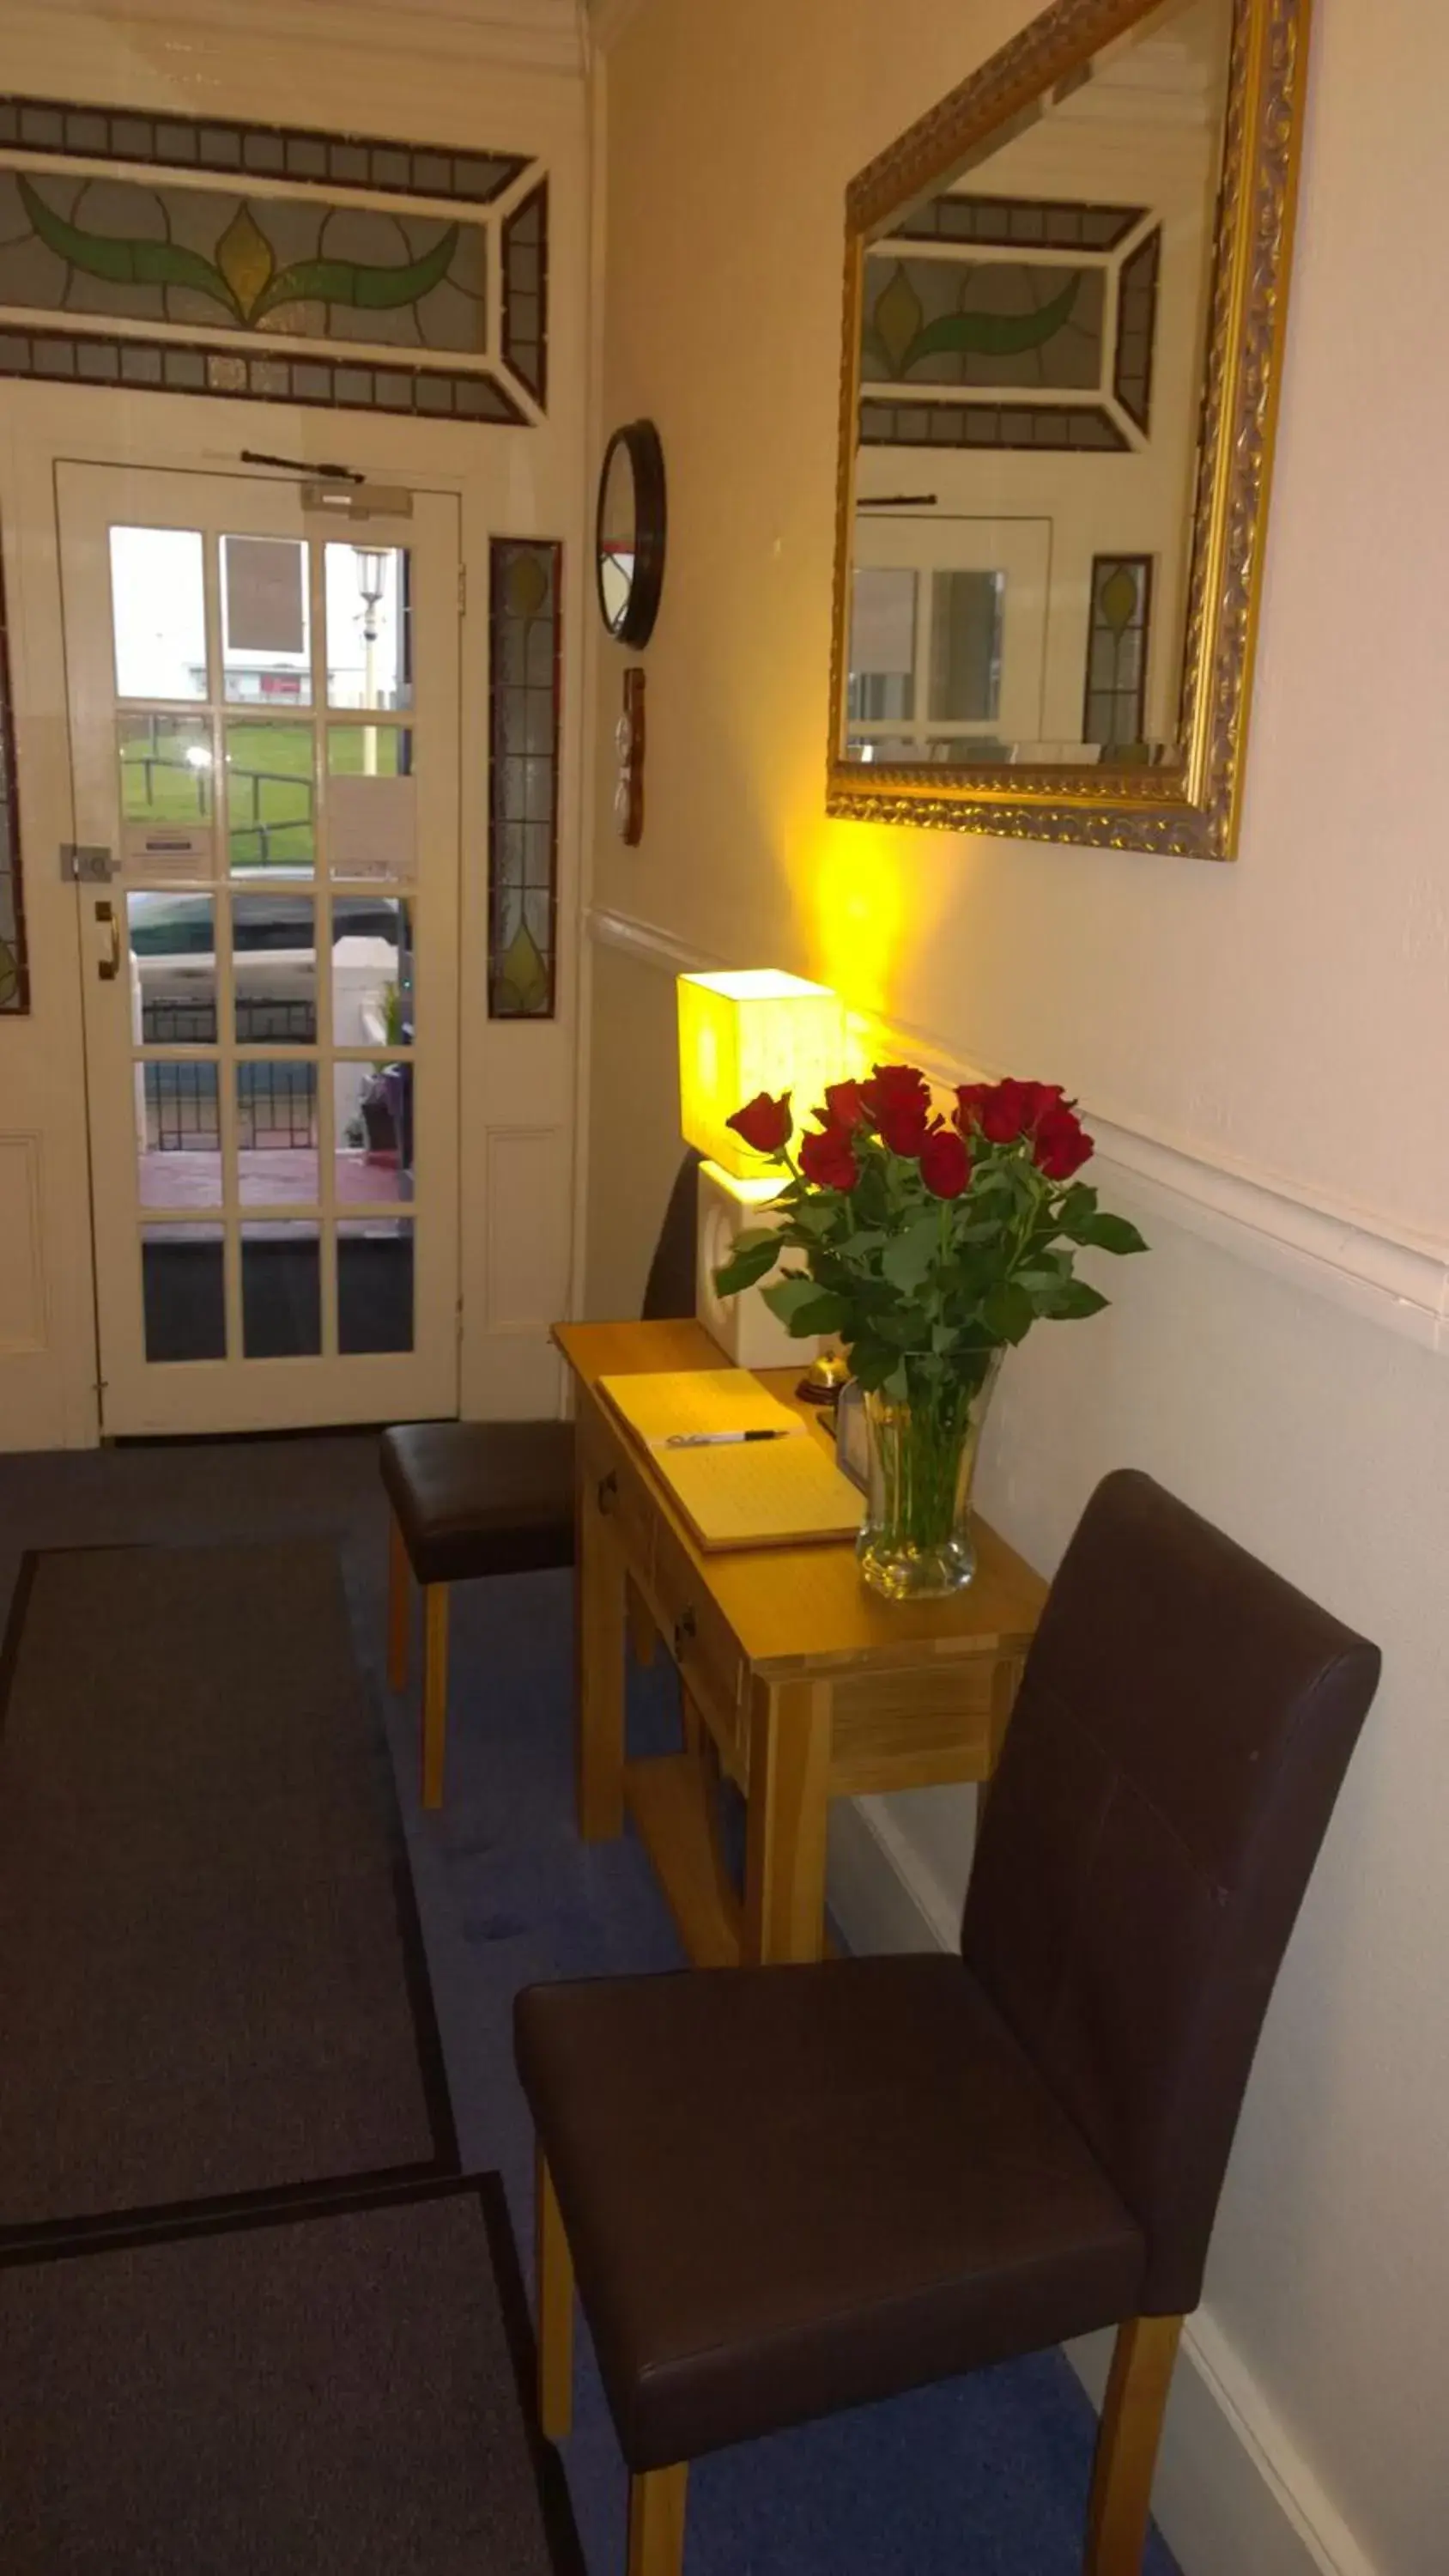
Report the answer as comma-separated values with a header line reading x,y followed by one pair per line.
x,y
435,1690
656,2521
555,2312
399,1609
1127,2440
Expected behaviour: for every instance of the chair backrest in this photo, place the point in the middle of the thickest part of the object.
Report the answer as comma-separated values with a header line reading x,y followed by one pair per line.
x,y
1184,1723
669,1290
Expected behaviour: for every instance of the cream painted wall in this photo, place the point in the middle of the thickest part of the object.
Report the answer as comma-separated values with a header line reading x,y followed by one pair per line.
x,y
1284,1019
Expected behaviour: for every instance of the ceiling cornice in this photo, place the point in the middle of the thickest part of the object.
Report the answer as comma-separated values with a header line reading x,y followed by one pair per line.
x,y
537,35
608,20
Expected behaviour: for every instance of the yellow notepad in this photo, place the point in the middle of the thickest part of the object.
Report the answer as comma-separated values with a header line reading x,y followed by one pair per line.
x,y
757,1493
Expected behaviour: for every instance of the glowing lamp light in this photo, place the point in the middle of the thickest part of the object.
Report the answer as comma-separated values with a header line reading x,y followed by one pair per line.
x,y
755,1030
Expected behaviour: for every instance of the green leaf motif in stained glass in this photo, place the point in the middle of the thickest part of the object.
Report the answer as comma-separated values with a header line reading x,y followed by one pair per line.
x,y
1117,599
896,320
243,278
9,976
523,979
527,584
900,339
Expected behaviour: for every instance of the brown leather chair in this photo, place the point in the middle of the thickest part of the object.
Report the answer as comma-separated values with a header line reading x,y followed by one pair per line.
x,y
790,2190
478,1498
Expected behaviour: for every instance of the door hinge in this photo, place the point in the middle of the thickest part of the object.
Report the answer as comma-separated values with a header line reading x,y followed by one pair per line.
x,y
462,590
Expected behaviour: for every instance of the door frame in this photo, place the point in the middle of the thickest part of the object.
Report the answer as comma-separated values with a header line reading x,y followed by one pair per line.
x,y
518,1080
232,1392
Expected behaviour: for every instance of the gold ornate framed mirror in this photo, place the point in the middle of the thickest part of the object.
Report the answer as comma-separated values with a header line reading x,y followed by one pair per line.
x,y
1064,303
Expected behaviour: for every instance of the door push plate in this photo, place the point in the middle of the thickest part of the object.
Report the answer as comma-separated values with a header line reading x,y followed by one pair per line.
x,y
86,863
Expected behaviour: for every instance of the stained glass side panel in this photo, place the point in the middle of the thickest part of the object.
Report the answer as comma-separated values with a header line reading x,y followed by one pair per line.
x,y
1117,640
524,662
14,974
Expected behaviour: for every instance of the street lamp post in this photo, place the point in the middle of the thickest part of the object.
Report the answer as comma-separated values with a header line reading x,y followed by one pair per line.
x,y
371,565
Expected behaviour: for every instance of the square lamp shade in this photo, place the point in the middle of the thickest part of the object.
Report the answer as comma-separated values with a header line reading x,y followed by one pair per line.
x,y
756,1030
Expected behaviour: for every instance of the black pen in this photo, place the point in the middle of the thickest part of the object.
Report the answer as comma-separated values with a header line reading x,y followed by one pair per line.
x,y
718,1439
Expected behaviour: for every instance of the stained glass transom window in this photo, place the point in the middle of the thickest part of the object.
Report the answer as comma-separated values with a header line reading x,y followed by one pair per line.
x,y
1073,316
525,636
356,289
14,976
1117,641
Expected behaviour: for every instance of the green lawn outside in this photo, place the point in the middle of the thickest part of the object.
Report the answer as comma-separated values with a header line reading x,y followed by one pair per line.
x,y
269,780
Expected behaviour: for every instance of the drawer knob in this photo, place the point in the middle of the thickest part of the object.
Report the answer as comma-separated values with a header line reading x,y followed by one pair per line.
x,y
608,1492
683,1634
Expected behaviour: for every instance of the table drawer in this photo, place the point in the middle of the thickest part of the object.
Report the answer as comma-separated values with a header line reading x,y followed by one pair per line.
x,y
613,1484
920,1727
704,1647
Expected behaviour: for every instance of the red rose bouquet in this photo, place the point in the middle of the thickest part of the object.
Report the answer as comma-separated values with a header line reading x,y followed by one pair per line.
x,y
927,1242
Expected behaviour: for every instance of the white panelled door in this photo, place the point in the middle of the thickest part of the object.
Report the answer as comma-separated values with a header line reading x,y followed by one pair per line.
x,y
264,715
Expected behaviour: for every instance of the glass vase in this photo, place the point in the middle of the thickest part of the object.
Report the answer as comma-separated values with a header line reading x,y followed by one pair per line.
x,y
915,1541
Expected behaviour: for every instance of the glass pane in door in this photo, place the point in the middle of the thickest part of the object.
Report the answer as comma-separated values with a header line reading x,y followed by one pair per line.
x,y
281,1285
178,1133
158,612
373,972
369,626
172,968
375,1284
274,969
183,1291
373,1108
266,642
271,797
276,1132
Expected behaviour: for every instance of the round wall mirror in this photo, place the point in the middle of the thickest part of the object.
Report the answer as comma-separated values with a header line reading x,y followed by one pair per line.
x,y
629,532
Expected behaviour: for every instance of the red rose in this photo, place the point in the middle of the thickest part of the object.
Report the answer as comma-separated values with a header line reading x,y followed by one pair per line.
x,y
1061,1144
905,1124
844,1106
945,1164
894,1086
826,1159
764,1123
1005,1110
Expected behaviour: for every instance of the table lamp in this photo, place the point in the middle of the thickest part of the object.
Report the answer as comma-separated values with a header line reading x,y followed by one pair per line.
x,y
741,1033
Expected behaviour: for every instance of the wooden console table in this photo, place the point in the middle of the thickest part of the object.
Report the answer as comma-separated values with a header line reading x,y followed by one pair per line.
x,y
800,1685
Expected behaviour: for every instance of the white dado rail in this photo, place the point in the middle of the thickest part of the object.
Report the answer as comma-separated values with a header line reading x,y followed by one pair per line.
x,y
1336,1253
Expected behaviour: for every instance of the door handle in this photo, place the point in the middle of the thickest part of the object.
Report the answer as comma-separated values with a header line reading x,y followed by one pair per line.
x,y
108,968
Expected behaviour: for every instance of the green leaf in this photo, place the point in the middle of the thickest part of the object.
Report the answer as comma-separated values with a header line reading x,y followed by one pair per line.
x,y
1112,1234
123,262
1074,1300
786,1296
907,1258
366,288
1008,1312
747,1263
992,335
822,1314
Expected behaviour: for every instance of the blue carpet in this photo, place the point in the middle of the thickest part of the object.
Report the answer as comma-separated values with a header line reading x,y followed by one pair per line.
x,y
982,2477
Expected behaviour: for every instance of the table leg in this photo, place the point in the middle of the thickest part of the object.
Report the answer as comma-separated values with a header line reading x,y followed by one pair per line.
x,y
599,1652
789,1804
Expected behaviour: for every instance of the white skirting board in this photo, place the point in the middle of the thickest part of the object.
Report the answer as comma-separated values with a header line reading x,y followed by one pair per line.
x,y
1233,2496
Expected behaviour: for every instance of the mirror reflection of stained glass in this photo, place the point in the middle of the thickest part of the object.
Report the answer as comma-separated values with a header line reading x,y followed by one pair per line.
x,y
1030,357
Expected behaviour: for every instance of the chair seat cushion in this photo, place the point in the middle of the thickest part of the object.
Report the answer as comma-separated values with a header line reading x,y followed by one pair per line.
x,y
481,1497
789,2190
